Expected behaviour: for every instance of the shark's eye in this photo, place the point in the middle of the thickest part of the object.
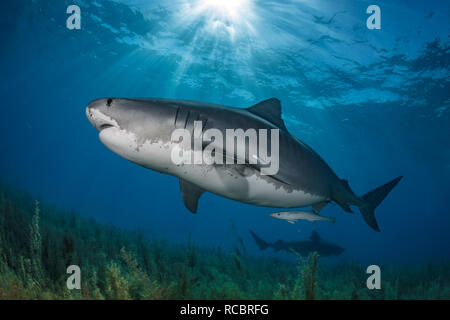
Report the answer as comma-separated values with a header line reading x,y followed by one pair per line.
x,y
108,102
278,214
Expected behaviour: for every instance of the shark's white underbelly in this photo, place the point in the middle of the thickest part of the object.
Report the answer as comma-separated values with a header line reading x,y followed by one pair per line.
x,y
230,181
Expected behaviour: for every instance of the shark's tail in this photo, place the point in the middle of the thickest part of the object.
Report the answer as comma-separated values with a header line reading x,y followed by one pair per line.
x,y
372,199
260,242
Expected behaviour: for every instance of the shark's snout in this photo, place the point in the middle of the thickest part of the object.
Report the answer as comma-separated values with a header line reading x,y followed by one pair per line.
x,y
89,115
97,114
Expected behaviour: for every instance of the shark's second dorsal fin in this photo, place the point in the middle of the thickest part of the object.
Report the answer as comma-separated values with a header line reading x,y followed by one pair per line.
x,y
345,183
190,193
270,110
314,236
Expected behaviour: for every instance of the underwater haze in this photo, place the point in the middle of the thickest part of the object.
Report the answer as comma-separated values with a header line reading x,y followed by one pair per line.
x,y
374,104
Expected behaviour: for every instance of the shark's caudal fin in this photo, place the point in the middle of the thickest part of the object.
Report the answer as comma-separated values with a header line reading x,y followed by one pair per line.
x,y
260,242
372,199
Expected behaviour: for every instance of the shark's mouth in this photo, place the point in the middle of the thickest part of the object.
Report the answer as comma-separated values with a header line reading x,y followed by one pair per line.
x,y
100,120
105,126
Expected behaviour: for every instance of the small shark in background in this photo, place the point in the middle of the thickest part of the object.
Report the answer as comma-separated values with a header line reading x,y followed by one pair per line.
x,y
292,216
314,243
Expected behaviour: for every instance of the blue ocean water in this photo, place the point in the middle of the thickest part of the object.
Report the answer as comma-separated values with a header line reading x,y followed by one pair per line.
x,y
373,103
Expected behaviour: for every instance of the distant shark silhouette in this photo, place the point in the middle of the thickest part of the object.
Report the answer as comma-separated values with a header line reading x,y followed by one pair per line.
x,y
314,243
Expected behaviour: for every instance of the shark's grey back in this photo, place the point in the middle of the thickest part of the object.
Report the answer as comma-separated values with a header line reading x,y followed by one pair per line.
x,y
300,167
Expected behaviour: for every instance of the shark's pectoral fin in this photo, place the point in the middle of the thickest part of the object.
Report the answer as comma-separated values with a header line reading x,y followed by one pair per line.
x,y
291,221
190,193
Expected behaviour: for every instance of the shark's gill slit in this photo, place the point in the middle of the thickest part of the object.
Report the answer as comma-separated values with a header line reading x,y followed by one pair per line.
x,y
187,118
176,116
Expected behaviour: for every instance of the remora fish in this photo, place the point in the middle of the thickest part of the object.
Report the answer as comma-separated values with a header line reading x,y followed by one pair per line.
x,y
292,216
314,243
140,130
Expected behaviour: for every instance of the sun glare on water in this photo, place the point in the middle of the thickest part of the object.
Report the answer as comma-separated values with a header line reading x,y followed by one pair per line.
x,y
215,29
225,7
231,16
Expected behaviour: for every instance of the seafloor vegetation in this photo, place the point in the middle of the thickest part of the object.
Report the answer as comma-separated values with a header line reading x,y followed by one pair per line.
x,y
38,242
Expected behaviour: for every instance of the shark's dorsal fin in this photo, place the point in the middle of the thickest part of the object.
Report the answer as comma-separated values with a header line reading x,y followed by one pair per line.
x,y
270,110
190,193
314,236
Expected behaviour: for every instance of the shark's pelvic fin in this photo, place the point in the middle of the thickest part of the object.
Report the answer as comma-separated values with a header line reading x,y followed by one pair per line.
x,y
270,110
319,206
190,193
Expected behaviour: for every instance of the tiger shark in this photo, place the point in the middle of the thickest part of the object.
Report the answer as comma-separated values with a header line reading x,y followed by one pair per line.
x,y
141,131
304,247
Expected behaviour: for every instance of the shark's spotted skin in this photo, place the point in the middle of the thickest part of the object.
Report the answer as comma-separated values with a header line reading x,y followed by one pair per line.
x,y
140,130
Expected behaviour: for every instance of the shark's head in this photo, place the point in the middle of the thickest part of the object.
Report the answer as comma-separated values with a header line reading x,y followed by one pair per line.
x,y
140,116
284,215
99,115
337,250
278,215
127,126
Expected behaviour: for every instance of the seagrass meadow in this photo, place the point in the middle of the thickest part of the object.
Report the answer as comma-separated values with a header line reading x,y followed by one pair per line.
x,y
38,241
